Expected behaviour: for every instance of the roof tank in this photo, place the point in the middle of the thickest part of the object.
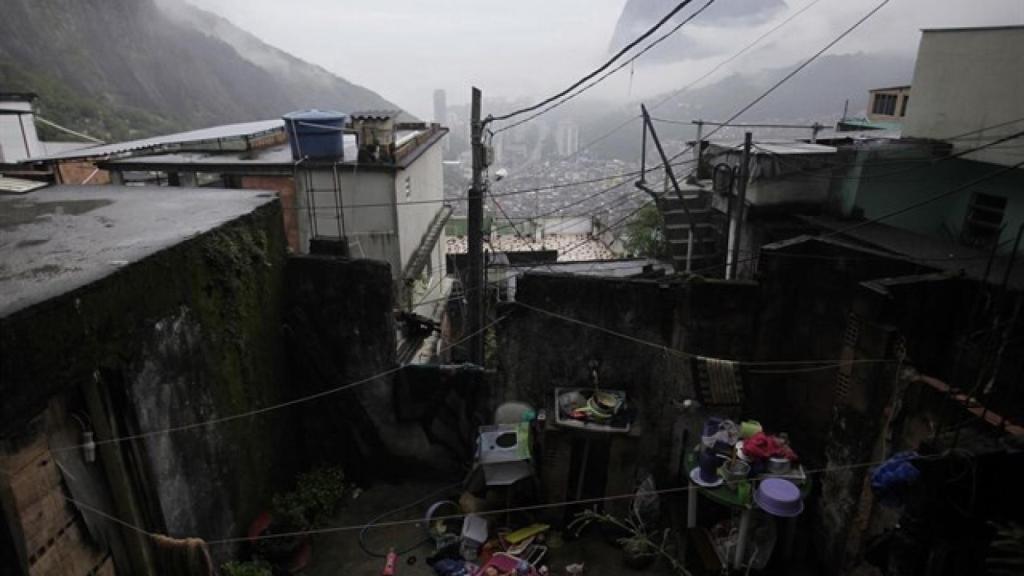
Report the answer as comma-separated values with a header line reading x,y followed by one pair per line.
x,y
316,133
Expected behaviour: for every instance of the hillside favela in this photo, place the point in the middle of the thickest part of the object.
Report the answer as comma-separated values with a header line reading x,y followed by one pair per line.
x,y
530,288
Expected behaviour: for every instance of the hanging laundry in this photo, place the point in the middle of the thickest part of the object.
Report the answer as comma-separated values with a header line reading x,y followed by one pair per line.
x,y
182,556
718,381
894,477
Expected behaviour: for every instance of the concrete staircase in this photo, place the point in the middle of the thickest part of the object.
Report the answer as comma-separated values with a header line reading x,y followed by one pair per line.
x,y
700,241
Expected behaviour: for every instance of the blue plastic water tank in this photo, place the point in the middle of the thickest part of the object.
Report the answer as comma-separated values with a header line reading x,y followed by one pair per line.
x,y
316,133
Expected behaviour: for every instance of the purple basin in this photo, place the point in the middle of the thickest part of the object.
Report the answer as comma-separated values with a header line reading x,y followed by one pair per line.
x,y
779,497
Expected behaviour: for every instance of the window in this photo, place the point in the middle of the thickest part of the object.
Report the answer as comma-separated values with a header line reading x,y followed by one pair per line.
x,y
903,107
984,220
884,104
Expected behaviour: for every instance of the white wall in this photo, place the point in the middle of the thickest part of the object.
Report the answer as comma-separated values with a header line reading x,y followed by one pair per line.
x,y
371,230
15,129
384,231
965,80
421,180
566,226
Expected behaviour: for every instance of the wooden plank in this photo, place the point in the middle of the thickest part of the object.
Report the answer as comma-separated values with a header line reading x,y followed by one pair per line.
x,y
13,461
33,483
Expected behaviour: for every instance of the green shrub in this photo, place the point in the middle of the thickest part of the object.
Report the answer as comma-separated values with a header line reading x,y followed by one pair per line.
x,y
314,500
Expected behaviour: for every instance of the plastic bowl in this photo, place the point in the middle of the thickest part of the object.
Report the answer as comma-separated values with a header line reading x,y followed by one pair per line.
x,y
779,497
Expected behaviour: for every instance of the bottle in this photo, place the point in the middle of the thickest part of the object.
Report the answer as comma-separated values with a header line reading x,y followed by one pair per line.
x,y
389,564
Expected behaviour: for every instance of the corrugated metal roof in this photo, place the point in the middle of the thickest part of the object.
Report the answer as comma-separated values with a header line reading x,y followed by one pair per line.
x,y
171,141
10,185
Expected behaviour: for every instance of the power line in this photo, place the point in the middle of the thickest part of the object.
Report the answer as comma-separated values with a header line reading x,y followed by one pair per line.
x,y
610,72
797,70
701,78
685,354
514,192
738,125
418,520
600,69
265,409
614,226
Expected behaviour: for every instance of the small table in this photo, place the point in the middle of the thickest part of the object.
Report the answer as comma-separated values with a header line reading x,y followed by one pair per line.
x,y
728,495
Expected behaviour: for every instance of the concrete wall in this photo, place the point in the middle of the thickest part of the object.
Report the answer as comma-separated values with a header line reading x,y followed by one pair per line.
x,y
341,330
285,188
965,80
538,352
805,314
370,230
423,180
186,335
883,186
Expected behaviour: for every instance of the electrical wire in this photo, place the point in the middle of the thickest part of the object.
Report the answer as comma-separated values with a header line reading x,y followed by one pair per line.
x,y
600,69
405,550
265,409
514,192
603,77
699,79
685,354
614,226
821,471
797,70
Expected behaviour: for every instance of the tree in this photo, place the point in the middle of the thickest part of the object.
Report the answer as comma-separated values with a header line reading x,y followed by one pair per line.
x,y
645,234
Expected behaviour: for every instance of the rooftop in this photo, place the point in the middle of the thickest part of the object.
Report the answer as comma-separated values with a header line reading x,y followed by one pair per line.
x,y
276,158
61,238
944,255
777,147
228,136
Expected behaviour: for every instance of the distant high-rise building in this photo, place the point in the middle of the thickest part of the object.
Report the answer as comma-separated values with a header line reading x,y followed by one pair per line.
x,y
440,106
567,138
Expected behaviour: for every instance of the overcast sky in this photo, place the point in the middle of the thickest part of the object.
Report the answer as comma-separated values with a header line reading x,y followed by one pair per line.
x,y
404,49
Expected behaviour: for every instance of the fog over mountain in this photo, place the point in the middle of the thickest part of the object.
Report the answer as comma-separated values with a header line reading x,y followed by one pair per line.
x,y
125,68
639,15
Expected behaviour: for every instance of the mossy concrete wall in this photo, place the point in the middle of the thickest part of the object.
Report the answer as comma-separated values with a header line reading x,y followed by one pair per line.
x,y
538,352
340,333
189,334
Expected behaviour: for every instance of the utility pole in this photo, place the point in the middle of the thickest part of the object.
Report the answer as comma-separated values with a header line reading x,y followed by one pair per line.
x,y
476,289
698,148
736,226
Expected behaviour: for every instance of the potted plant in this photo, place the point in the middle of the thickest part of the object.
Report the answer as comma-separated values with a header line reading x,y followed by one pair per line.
x,y
279,536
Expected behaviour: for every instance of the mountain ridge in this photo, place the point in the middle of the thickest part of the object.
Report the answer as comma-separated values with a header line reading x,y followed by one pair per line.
x,y
121,69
